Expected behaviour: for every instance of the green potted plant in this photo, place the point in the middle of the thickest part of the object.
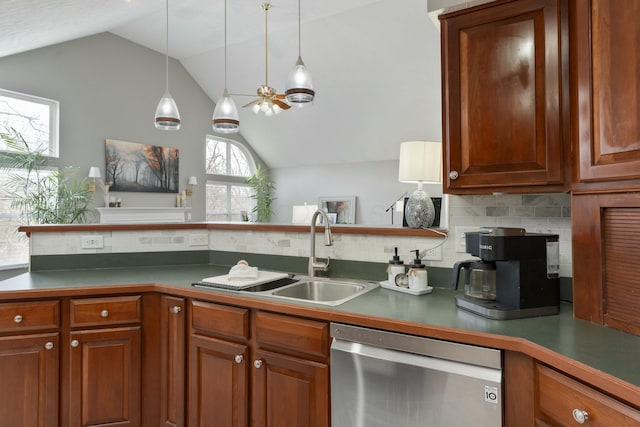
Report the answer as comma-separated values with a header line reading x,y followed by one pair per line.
x,y
42,193
263,186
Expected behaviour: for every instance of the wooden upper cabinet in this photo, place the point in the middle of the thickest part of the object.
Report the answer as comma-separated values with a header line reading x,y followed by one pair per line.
x,y
606,96
503,71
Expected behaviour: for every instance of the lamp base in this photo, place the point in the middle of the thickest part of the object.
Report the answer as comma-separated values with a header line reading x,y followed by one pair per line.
x,y
419,211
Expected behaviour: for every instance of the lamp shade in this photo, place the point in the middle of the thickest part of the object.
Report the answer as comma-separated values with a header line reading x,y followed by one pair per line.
x,y
94,172
420,161
192,180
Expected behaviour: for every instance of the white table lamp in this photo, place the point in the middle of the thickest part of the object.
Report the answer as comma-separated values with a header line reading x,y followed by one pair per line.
x,y
94,172
420,162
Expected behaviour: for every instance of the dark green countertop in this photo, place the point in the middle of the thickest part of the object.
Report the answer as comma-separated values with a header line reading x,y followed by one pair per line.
x,y
604,349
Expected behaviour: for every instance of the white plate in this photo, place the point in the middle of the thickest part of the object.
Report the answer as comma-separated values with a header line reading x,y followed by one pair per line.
x,y
386,284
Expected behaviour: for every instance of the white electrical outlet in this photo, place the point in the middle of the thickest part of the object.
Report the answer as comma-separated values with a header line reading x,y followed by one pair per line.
x,y
198,240
461,243
92,242
433,254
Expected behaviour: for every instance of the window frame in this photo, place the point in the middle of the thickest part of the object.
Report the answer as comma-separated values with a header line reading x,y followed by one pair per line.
x,y
54,118
226,179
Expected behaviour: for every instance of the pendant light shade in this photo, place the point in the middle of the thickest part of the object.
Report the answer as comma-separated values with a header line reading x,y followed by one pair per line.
x,y
167,114
299,89
225,116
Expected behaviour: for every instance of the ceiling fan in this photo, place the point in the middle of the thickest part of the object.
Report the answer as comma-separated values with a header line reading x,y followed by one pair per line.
x,y
269,101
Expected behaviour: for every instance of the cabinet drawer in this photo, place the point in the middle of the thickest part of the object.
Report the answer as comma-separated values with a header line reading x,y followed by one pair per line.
x,y
27,316
105,311
292,334
558,396
217,319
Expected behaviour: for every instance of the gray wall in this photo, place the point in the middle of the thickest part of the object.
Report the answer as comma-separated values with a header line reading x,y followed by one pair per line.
x,y
108,88
375,185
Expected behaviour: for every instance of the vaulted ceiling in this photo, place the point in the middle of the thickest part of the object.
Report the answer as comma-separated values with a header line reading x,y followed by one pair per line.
x,y
375,64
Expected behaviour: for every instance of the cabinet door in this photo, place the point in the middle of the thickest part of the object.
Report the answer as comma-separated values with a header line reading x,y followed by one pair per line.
x,y
172,361
289,391
104,378
218,383
29,380
503,107
605,39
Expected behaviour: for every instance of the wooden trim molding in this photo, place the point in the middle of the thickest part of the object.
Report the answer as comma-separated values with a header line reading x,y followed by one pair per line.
x,y
238,226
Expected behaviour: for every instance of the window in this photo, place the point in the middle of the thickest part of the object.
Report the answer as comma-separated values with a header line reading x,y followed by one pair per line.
x,y
228,166
36,120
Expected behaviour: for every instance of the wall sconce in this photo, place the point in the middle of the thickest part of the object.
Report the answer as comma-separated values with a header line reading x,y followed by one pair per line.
x,y
420,162
193,181
94,172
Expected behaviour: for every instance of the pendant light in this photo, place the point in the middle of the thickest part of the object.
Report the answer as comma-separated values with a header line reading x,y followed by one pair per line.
x,y
299,84
225,116
167,114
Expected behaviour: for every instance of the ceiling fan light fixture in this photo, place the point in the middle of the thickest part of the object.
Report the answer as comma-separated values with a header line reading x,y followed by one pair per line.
x,y
225,116
167,115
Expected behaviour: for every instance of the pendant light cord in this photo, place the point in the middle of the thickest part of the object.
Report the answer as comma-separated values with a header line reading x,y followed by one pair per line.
x,y
225,46
299,38
167,45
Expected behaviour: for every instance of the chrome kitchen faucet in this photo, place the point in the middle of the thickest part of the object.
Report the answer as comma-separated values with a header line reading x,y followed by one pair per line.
x,y
328,241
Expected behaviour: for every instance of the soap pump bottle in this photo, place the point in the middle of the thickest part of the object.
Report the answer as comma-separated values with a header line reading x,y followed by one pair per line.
x,y
395,268
417,273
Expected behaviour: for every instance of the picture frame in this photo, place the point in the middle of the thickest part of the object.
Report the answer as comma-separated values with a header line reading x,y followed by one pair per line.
x,y
343,207
139,167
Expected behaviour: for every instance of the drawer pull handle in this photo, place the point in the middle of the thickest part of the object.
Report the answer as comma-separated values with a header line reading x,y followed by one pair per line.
x,y
75,343
257,363
104,313
48,345
239,358
454,175
176,309
17,318
580,416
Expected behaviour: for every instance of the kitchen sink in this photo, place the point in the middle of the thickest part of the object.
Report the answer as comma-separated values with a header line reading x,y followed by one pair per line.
x,y
323,291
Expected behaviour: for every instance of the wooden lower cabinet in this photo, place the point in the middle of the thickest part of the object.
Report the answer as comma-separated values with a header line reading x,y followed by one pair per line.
x,y
289,391
563,401
29,380
104,378
242,373
218,383
172,361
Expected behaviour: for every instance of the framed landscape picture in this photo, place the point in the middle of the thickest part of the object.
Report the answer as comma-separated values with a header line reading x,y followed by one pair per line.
x,y
141,167
344,209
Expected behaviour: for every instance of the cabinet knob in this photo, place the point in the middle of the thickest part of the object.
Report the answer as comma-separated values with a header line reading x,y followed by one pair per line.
x,y
17,318
175,309
580,416
257,363
75,343
239,358
48,345
104,313
454,174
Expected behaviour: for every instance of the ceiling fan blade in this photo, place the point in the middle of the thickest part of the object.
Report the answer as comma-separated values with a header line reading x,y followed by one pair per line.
x,y
280,96
281,104
252,103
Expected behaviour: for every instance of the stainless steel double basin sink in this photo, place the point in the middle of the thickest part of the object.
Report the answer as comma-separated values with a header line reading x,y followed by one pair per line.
x,y
322,290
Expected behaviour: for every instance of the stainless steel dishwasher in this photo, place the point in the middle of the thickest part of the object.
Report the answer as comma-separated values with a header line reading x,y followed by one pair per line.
x,y
381,378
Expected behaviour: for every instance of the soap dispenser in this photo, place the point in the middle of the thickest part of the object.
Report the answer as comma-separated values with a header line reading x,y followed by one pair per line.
x,y
395,268
417,274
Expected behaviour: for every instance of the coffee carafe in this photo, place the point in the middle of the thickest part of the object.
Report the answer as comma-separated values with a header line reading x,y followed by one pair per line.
x,y
478,278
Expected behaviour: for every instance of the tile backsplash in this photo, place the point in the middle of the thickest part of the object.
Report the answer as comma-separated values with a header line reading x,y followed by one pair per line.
x,y
543,213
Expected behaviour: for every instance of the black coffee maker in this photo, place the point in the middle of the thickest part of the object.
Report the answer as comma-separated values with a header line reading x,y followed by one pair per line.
x,y
527,267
